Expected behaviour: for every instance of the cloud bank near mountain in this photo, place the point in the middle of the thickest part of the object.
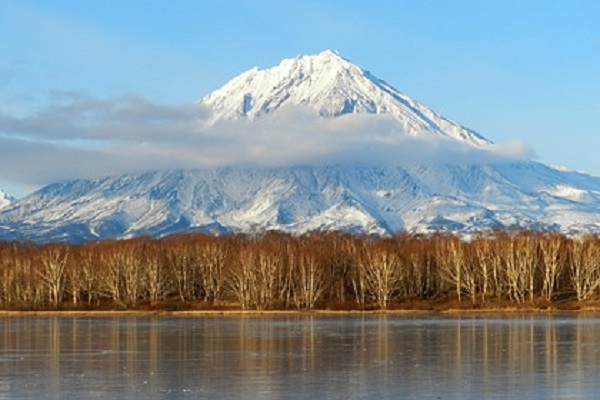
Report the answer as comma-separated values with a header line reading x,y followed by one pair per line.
x,y
77,136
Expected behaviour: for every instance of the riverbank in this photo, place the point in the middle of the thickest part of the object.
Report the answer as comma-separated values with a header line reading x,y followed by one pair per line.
x,y
571,307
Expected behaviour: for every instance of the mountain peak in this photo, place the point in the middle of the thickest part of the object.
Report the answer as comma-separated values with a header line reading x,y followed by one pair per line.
x,y
332,86
329,53
325,54
324,57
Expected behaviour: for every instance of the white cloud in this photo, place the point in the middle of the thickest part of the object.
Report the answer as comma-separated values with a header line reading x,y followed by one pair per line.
x,y
79,137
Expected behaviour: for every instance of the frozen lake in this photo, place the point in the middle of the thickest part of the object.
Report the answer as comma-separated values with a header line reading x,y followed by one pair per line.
x,y
300,357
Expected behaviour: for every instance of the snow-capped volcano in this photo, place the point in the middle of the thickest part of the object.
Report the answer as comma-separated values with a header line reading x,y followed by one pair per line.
x,y
466,196
332,86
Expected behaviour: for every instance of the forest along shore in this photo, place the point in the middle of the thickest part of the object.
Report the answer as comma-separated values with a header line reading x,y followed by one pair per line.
x,y
195,274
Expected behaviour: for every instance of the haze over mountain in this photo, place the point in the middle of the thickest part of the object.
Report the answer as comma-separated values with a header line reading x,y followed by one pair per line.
x,y
403,167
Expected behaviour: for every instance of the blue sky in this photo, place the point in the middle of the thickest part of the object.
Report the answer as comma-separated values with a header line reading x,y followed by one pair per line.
x,y
512,70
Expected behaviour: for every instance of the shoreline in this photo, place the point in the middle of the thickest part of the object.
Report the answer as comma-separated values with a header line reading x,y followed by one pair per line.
x,y
213,313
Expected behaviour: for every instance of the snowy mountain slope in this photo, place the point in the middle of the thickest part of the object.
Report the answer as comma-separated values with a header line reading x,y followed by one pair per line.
x,y
355,199
415,196
332,86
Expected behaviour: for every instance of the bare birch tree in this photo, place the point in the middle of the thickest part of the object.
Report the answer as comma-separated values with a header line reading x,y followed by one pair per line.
x,y
552,263
381,270
53,261
584,261
453,266
308,276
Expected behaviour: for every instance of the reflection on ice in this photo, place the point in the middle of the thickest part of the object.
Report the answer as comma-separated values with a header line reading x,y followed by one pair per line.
x,y
301,356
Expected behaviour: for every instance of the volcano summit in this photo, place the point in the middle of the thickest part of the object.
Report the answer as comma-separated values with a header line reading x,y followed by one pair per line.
x,y
331,86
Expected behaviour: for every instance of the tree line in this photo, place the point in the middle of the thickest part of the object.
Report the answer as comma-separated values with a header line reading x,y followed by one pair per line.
x,y
307,272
